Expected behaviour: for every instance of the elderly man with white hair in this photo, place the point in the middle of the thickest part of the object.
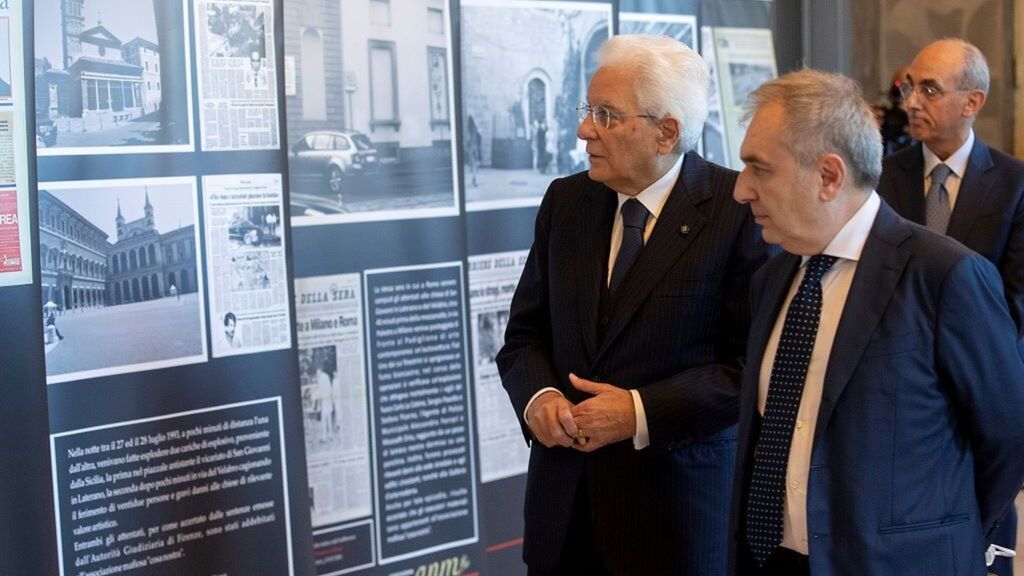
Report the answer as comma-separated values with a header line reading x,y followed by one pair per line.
x,y
625,340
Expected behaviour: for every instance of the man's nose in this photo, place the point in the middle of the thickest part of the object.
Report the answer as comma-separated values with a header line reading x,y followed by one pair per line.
x,y
741,192
912,100
586,129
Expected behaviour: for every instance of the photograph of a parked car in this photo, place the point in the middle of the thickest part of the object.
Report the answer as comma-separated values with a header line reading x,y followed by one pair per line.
x,y
328,158
370,128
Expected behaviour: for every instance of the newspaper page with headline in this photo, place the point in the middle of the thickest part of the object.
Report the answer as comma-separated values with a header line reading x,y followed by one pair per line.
x,y
745,59
246,263
15,138
237,75
329,322
492,281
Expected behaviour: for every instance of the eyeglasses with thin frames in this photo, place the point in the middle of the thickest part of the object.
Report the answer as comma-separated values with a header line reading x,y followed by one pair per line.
x,y
603,115
929,92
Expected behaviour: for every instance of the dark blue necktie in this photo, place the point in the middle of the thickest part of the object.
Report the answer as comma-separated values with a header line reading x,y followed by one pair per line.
x,y
766,501
634,220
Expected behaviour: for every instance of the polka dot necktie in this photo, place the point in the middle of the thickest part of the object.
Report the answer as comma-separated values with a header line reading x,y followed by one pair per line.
x,y
936,203
634,220
767,497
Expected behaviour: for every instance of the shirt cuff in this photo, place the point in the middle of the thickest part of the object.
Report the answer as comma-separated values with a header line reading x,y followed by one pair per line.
x,y
534,397
641,439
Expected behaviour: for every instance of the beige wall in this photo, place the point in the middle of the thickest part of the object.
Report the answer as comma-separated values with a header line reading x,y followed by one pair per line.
x,y
890,32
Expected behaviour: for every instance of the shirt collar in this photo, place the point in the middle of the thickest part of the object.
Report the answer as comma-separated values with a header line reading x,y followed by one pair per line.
x,y
654,196
957,161
849,242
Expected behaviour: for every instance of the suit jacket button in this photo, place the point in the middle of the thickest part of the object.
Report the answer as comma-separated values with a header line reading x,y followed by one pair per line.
x,y
604,320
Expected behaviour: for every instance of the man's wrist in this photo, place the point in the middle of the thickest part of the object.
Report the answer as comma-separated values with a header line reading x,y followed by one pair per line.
x,y
538,394
641,437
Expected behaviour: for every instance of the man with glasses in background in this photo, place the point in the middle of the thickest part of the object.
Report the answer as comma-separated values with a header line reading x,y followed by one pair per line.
x,y
624,346
956,185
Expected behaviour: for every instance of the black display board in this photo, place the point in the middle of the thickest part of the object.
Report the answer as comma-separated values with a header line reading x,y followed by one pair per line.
x,y
273,246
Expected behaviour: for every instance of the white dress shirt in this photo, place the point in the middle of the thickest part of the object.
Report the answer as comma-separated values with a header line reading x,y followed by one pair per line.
x,y
835,287
653,198
957,162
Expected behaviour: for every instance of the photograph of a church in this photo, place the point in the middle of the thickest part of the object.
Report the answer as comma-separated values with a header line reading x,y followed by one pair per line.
x,y
102,78
120,268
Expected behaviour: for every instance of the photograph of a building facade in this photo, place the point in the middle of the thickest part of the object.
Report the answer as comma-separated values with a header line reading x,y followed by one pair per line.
x,y
109,255
103,79
368,106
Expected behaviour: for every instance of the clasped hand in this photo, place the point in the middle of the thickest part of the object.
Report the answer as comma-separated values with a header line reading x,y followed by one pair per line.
x,y
606,417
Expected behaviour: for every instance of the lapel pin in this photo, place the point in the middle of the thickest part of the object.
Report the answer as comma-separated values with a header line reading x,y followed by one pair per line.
x,y
684,229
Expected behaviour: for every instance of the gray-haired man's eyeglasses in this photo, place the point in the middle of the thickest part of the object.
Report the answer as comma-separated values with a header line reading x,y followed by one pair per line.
x,y
602,115
926,91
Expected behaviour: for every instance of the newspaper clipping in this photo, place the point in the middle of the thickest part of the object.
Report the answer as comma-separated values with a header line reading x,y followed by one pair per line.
x,y
238,78
246,263
329,323
492,280
15,219
713,141
745,59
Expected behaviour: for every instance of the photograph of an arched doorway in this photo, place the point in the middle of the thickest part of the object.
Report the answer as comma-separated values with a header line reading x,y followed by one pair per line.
x,y
525,66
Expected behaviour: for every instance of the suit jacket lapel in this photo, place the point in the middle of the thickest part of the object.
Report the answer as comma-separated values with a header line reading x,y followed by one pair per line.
x,y
597,214
879,269
666,244
974,188
908,199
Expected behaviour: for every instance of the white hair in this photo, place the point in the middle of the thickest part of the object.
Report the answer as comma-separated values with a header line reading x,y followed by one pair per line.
x,y
671,80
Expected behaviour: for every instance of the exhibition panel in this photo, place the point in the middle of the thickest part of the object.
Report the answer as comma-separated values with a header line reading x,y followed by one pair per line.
x,y
256,259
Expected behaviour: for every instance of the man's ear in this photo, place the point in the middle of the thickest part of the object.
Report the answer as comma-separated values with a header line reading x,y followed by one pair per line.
x,y
832,171
671,132
975,100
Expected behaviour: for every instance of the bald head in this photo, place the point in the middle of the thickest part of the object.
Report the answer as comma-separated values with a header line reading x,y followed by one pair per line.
x,y
963,59
950,80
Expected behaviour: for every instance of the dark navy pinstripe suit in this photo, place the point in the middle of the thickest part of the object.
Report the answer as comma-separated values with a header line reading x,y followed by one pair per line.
x,y
677,334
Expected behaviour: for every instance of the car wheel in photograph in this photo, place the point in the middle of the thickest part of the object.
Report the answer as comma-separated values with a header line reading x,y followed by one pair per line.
x,y
334,178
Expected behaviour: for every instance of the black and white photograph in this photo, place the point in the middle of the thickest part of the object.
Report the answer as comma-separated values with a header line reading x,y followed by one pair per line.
x,y
236,31
371,125
121,288
682,27
105,80
490,334
6,93
745,78
255,226
525,67
321,413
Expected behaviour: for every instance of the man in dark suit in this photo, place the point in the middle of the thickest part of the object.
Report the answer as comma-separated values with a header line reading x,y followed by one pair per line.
x,y
623,349
956,185
981,201
881,419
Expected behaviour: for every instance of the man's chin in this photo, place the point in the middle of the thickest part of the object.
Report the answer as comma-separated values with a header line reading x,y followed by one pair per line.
x,y
595,174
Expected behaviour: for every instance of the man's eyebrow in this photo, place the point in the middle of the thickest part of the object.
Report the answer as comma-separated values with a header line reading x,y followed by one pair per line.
x,y
930,81
751,158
